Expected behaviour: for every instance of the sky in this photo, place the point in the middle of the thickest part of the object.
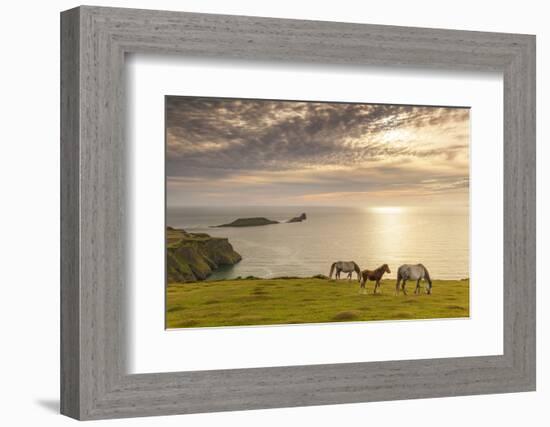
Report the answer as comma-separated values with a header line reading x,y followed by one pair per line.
x,y
231,152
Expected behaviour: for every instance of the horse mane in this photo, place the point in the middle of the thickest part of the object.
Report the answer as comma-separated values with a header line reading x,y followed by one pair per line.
x,y
356,267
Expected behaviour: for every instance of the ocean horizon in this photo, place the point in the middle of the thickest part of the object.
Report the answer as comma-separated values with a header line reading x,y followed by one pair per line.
x,y
437,238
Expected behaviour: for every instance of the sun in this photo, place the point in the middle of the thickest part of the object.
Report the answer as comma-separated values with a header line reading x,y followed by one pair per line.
x,y
387,209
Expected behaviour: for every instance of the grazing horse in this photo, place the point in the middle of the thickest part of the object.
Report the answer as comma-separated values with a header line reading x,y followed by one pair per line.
x,y
375,275
413,272
345,266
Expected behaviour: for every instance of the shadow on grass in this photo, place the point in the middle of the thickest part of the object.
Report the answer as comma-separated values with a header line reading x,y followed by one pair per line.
x,y
345,315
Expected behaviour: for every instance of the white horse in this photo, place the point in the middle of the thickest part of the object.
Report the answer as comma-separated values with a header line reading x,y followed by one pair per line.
x,y
345,266
413,272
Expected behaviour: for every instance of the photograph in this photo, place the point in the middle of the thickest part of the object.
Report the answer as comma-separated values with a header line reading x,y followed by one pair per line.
x,y
282,212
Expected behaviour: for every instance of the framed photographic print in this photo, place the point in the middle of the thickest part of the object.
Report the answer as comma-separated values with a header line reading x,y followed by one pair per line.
x,y
347,211
265,196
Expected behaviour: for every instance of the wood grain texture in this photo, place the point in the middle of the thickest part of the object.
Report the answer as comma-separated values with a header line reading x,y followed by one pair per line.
x,y
70,291
95,383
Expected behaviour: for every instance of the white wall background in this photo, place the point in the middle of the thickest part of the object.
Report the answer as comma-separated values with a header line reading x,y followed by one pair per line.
x,y
29,212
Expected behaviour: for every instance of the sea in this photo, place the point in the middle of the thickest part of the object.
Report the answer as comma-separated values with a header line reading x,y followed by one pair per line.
x,y
437,238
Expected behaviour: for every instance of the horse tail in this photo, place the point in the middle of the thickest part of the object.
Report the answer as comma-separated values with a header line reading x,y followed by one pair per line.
x,y
357,270
332,267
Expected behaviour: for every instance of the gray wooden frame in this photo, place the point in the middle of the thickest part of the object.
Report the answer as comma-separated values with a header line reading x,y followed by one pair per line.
x,y
94,382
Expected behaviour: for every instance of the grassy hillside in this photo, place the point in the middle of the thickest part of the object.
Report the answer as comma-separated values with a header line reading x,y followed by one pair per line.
x,y
303,300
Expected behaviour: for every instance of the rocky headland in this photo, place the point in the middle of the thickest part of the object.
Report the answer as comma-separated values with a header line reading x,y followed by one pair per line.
x,y
194,256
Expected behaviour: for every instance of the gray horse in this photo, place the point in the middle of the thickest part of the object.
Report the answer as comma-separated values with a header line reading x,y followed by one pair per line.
x,y
413,272
345,266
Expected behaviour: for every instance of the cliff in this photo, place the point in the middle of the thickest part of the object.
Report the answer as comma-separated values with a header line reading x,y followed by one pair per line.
x,y
194,256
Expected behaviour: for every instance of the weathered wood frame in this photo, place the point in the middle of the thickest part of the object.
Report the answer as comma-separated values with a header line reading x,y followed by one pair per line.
x,y
94,382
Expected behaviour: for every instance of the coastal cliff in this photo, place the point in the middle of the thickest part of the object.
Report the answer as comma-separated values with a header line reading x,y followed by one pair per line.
x,y
194,256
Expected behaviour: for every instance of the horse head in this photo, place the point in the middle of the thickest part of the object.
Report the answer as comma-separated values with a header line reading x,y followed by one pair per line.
x,y
429,287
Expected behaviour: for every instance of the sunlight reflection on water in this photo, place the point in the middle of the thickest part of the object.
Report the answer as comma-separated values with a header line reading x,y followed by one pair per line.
x,y
371,237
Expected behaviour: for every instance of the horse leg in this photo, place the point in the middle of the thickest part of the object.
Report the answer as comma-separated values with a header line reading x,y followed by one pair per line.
x,y
417,289
377,285
403,286
397,286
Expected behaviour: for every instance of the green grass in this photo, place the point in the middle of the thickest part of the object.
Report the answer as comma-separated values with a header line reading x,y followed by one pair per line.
x,y
302,300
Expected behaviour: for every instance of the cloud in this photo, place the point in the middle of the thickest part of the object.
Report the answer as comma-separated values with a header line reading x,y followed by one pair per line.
x,y
300,147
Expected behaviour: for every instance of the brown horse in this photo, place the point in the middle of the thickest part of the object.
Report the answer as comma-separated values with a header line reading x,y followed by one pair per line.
x,y
375,275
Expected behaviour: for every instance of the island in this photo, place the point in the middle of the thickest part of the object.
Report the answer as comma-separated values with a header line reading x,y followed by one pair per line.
x,y
258,221
300,218
249,222
192,257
